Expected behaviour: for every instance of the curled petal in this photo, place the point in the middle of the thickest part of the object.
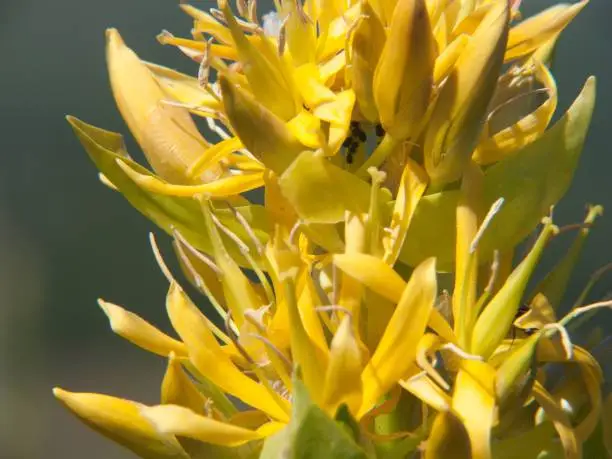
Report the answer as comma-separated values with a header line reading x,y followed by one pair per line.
x,y
221,188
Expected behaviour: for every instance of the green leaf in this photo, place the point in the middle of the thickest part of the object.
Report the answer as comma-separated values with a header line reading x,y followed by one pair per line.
x,y
531,180
168,212
311,434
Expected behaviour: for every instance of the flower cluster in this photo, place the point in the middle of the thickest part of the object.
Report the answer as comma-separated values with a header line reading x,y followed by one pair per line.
x,y
402,146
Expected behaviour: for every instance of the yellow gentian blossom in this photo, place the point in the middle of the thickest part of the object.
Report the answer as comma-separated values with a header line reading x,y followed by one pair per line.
x,y
399,144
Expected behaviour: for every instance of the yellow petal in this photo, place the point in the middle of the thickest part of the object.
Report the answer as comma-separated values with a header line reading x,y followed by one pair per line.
x,y
404,74
495,145
530,34
205,23
337,113
185,89
138,331
312,176
428,391
540,314
456,121
307,129
214,154
448,438
266,77
366,46
474,403
373,273
121,421
301,33
220,188
378,276
469,211
305,352
559,418
195,49
240,295
167,134
449,57
261,131
308,300
411,188
178,388
180,421
209,359
343,375
396,350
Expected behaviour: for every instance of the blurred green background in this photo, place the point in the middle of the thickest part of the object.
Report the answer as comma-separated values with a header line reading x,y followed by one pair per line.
x,y
66,240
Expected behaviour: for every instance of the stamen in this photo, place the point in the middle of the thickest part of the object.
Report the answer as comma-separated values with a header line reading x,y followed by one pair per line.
x,y
245,250
461,353
424,364
234,338
583,310
334,307
565,339
591,283
252,12
241,245
293,233
192,107
494,272
272,347
199,255
299,8
204,69
256,368
244,25
282,37
158,257
213,126
255,317
249,229
494,111
485,223
200,283
574,226
242,7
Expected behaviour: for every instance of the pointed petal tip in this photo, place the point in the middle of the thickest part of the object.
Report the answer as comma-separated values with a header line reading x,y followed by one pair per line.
x,y
113,37
110,310
59,393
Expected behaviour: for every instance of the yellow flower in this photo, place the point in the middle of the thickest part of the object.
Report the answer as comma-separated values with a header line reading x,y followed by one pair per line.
x,y
395,142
